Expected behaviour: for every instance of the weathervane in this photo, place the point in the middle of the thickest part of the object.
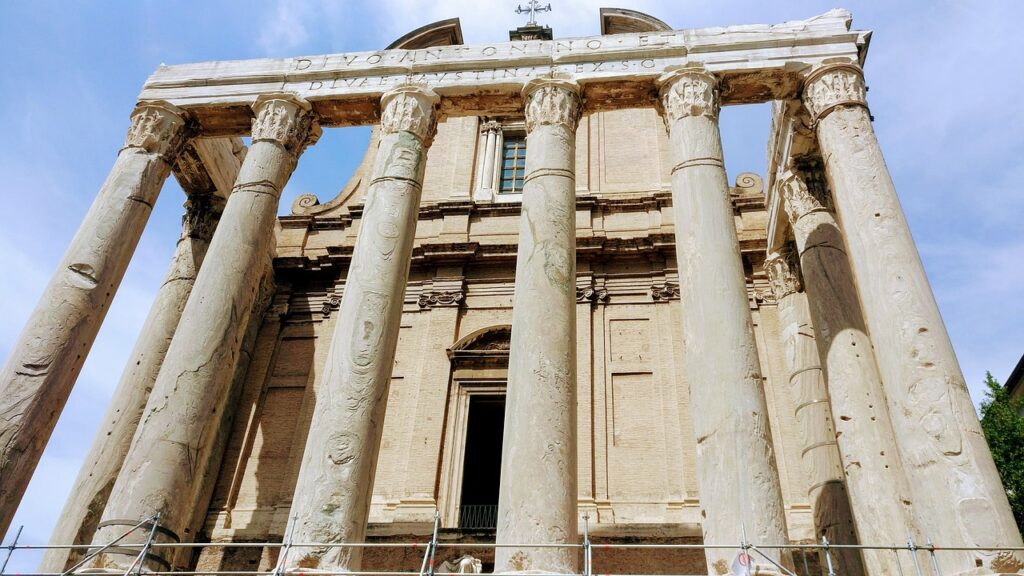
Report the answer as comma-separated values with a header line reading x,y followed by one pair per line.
x,y
532,8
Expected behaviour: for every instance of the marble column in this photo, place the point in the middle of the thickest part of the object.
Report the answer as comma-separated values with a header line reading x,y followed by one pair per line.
x,y
874,475
332,495
45,361
487,177
958,495
739,483
88,496
819,452
170,453
537,498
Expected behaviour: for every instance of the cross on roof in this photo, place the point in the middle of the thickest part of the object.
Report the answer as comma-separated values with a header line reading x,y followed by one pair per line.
x,y
532,8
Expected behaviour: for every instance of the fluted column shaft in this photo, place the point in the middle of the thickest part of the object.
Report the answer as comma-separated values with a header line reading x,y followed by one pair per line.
x,y
332,495
49,354
88,496
958,495
739,483
537,498
874,475
166,465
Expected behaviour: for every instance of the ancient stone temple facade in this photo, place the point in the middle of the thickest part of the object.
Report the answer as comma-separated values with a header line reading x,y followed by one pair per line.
x,y
538,309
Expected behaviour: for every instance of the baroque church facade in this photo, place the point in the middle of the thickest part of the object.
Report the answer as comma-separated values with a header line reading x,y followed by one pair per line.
x,y
696,375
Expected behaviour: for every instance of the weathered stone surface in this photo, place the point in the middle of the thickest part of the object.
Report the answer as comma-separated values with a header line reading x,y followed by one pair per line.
x,y
757,63
171,450
959,499
45,362
739,482
833,517
537,500
332,495
874,475
96,478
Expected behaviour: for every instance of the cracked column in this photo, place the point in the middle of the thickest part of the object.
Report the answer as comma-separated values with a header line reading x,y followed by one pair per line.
x,y
827,492
88,496
45,361
537,498
332,495
959,499
874,476
167,463
739,483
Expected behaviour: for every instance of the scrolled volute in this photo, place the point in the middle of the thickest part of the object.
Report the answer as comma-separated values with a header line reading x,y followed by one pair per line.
x,y
690,91
285,119
158,127
551,101
410,109
832,86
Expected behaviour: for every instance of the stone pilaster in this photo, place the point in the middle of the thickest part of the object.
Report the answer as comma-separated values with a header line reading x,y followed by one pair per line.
x,y
739,483
537,499
169,456
88,496
958,495
49,354
874,476
826,488
332,495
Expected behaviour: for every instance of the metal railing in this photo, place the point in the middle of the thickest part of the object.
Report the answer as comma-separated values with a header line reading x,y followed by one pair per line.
x,y
751,551
478,516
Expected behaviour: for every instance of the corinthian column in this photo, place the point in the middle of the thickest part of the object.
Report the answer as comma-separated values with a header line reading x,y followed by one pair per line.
x,y
332,495
168,461
959,498
874,475
826,490
88,496
739,484
45,362
537,499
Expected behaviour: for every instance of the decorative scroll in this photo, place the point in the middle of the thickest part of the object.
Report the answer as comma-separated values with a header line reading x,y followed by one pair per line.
x,y
592,295
664,292
285,119
432,299
688,92
332,302
158,128
552,102
783,273
833,86
410,109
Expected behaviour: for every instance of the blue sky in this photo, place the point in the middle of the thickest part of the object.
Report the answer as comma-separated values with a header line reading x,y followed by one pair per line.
x,y
946,82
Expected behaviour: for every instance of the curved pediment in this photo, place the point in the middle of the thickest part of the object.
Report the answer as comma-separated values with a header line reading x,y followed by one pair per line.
x,y
623,21
441,33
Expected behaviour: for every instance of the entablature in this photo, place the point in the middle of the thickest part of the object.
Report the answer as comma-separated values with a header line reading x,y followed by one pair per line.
x,y
755,63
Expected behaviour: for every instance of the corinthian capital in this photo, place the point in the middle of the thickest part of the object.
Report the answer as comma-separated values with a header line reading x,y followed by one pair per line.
x,y
202,213
410,109
834,85
550,101
286,119
783,278
797,198
688,92
158,127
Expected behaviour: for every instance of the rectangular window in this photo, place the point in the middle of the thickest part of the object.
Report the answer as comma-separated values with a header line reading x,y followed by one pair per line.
x,y
513,164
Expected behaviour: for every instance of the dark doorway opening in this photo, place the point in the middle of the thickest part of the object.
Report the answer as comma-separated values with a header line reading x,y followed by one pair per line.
x,y
481,469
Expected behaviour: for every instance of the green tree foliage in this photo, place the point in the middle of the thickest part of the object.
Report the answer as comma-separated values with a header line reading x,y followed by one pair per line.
x,y
1003,425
